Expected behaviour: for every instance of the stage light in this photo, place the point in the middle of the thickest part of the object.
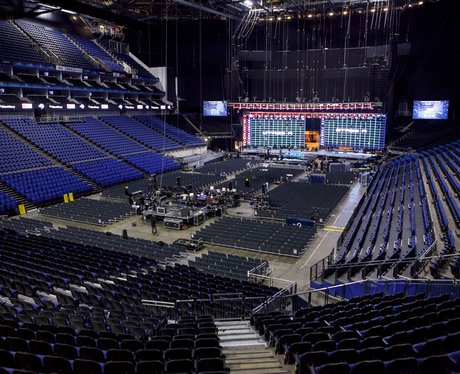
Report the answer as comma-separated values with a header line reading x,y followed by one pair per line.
x,y
360,11
373,10
41,106
331,14
120,107
279,18
385,9
310,16
289,17
420,3
345,13
410,5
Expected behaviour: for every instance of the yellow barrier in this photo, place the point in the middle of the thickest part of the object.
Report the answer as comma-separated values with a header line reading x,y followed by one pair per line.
x,y
70,196
66,198
22,209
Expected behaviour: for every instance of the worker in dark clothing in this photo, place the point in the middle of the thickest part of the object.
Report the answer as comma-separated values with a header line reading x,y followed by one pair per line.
x,y
153,222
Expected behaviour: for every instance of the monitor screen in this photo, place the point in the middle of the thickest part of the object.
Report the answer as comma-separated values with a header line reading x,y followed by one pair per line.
x,y
431,109
215,108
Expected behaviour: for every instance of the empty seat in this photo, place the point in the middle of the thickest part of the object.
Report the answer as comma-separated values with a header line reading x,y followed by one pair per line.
x,y
53,364
179,366
119,367
336,368
210,365
150,367
87,367
402,365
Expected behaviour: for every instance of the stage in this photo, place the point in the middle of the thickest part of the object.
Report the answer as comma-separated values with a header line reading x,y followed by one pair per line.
x,y
303,155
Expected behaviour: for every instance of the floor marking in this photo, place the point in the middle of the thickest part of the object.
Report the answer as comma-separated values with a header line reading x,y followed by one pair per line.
x,y
314,251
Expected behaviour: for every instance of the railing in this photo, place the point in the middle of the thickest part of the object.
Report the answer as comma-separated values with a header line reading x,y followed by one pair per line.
x,y
237,306
382,266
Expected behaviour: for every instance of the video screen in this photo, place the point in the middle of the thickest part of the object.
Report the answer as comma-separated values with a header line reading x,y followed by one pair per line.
x,y
436,110
215,108
359,131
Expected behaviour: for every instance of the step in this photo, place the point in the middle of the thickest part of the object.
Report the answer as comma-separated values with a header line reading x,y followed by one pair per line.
x,y
232,327
251,360
247,354
246,351
243,343
260,371
263,365
236,332
243,336
231,322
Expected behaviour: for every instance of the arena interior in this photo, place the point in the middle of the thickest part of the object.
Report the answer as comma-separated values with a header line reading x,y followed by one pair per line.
x,y
229,186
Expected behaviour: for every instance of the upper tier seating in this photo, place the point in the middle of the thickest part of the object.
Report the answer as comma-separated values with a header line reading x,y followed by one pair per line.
x,y
75,152
6,203
139,70
97,52
122,146
140,132
57,43
16,47
170,131
33,175
373,334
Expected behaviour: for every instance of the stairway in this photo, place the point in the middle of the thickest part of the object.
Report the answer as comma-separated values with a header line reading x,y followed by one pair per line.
x,y
17,197
246,352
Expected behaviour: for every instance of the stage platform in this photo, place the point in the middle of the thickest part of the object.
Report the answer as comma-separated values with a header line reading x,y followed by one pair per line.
x,y
302,155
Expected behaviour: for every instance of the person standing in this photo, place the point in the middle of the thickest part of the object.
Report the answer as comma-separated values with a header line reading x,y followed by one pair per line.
x,y
153,222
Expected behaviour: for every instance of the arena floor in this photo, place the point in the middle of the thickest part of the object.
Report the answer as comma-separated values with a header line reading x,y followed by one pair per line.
x,y
292,269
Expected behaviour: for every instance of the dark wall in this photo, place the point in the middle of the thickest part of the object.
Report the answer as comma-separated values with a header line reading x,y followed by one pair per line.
x,y
431,70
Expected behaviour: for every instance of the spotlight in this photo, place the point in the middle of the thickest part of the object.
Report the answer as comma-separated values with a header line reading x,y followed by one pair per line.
x,y
279,18
360,11
120,107
345,13
310,16
289,17
385,9
41,106
373,10
420,3
82,106
331,14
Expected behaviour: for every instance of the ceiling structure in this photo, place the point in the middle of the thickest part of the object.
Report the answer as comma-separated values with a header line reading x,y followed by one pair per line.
x,y
145,11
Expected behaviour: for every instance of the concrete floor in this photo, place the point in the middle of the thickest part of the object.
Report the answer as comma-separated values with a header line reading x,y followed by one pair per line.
x,y
292,269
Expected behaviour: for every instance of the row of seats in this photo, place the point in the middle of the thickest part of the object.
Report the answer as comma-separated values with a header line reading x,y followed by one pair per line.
x,y
228,265
73,151
371,334
141,133
122,146
257,236
170,131
6,203
98,212
305,200
392,225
